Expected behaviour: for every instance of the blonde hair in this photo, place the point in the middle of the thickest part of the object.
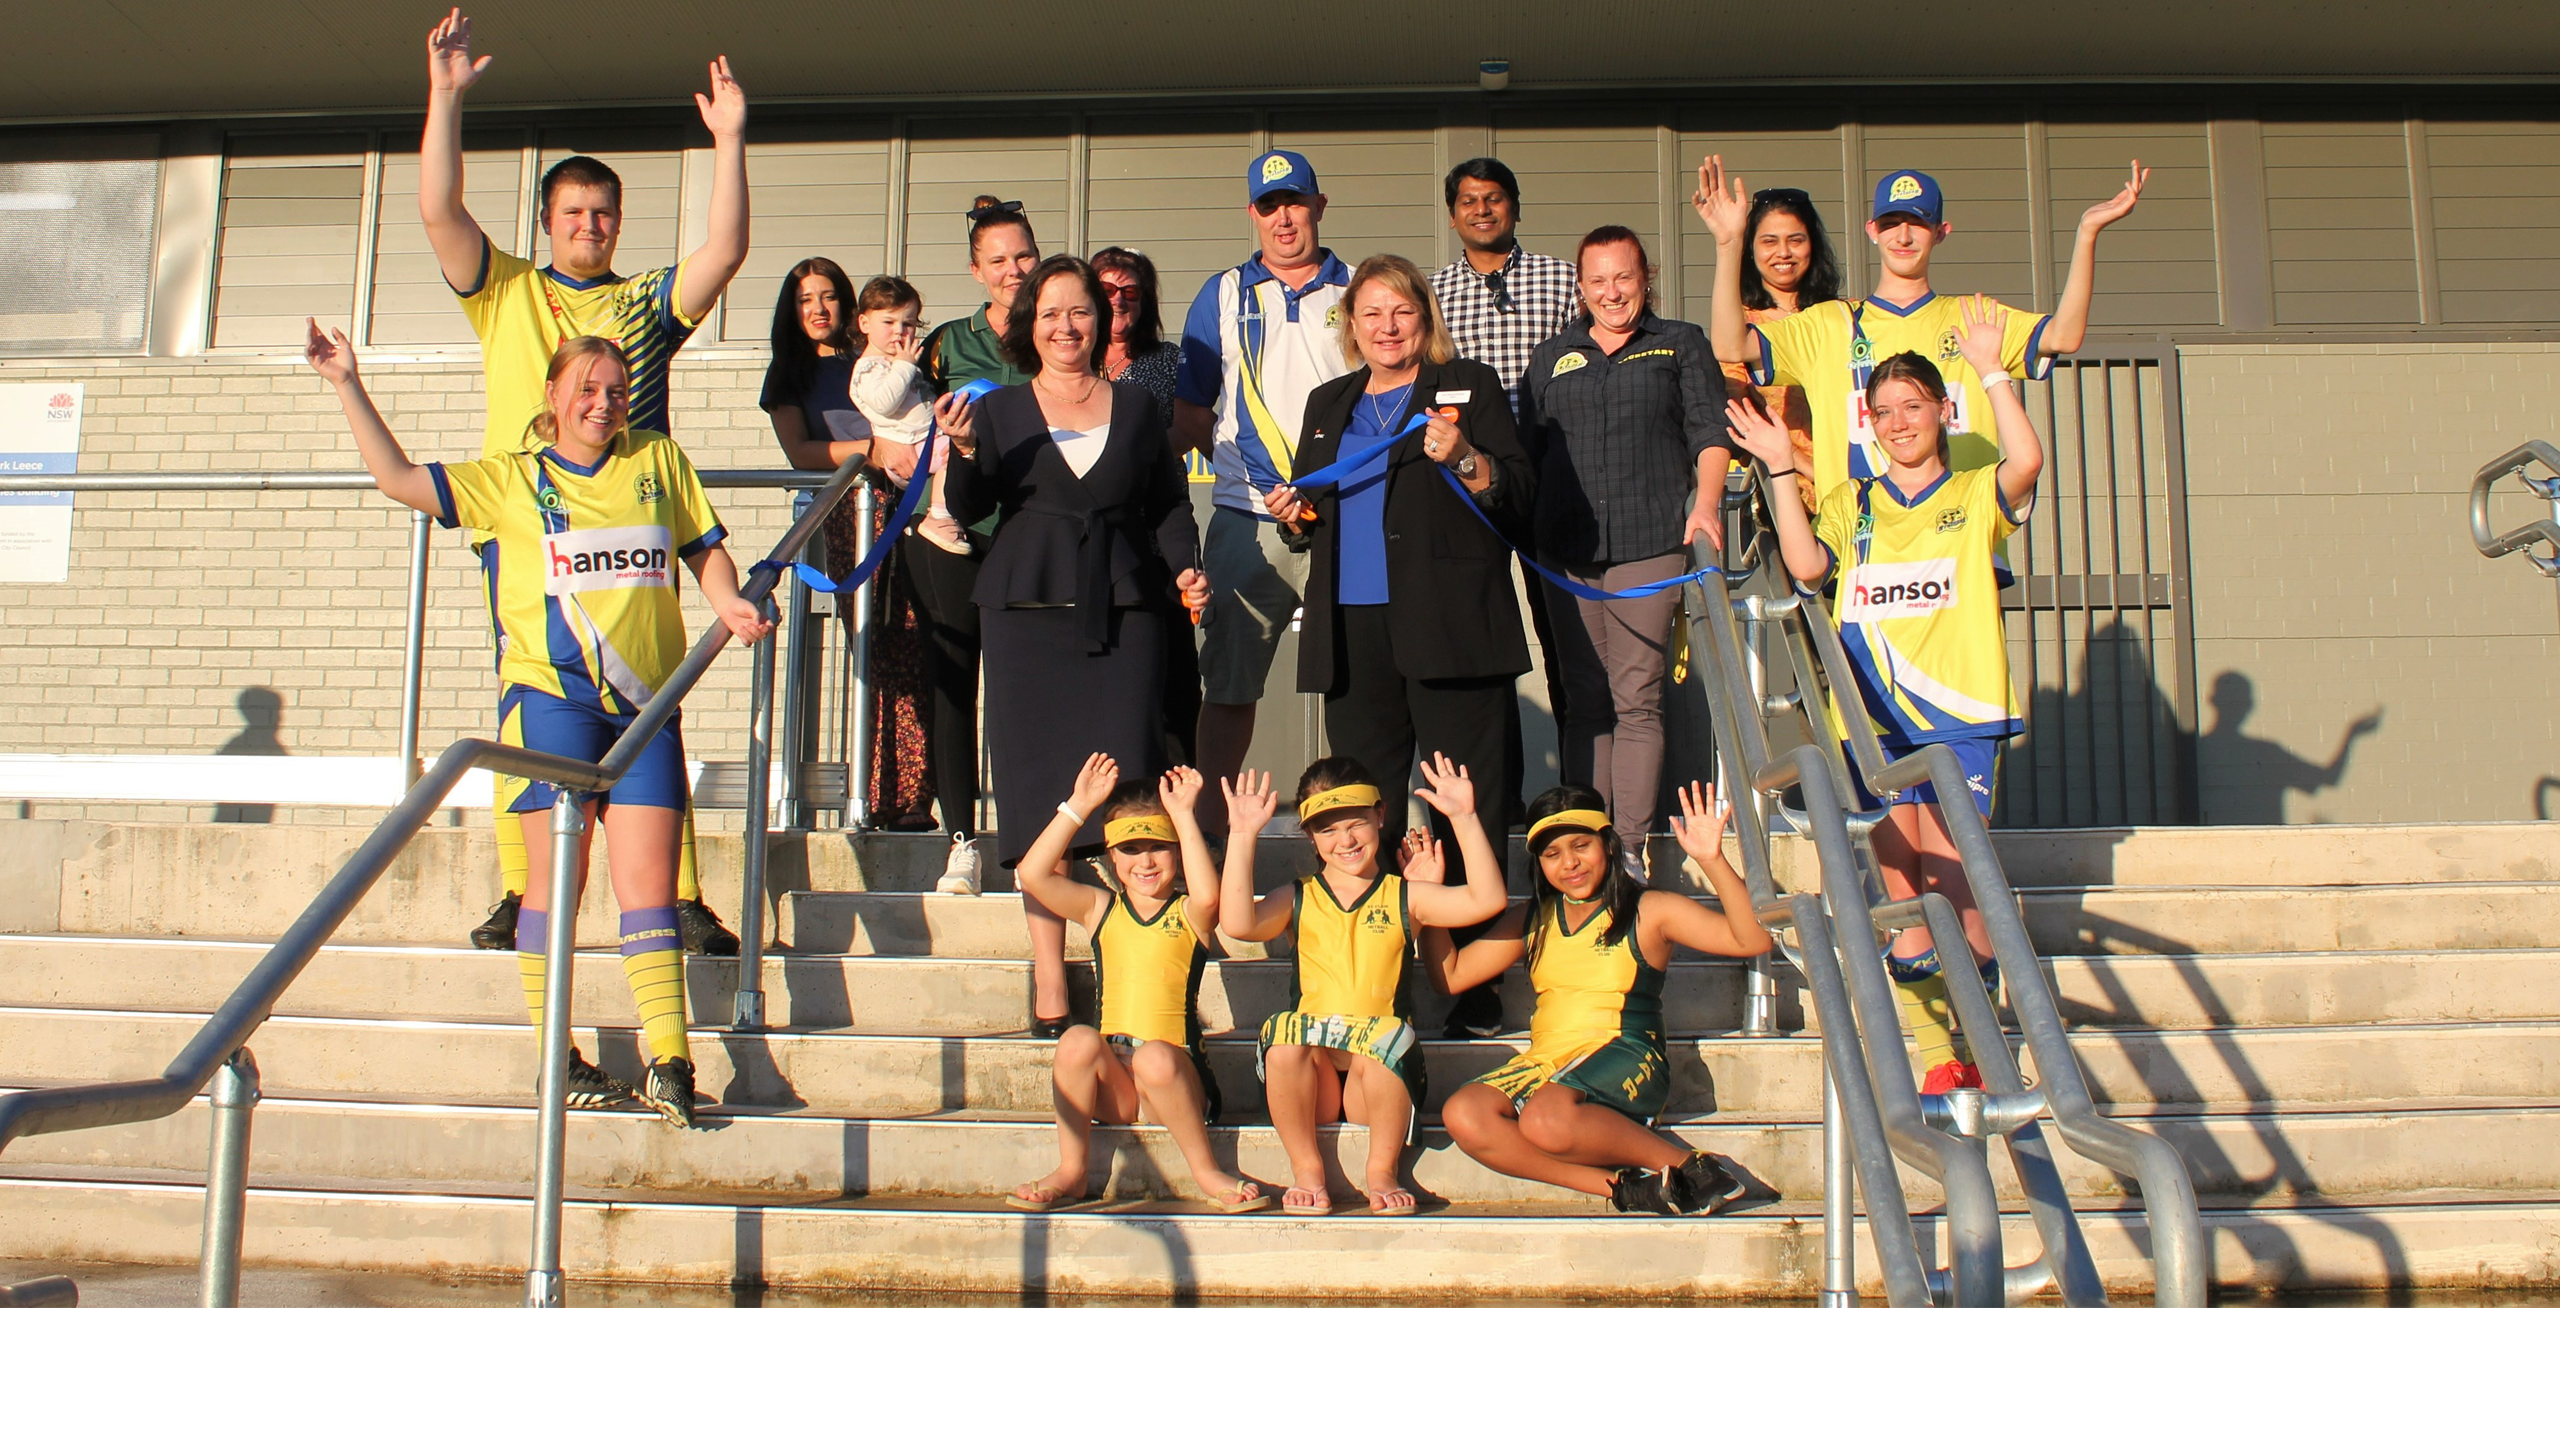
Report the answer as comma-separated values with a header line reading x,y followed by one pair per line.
x,y
1406,282
575,352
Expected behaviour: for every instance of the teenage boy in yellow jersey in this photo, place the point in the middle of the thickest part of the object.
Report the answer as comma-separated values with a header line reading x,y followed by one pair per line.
x,y
1829,349
521,313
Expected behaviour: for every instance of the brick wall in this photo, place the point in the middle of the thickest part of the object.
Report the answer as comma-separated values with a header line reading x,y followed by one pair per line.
x,y
181,602
2335,575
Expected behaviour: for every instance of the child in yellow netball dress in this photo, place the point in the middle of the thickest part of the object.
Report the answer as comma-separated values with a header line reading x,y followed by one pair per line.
x,y
1577,1109
1347,1045
589,525
1912,553
1146,1058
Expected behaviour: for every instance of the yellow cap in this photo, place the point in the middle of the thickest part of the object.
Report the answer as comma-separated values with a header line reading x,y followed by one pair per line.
x,y
1338,797
1588,819
1139,827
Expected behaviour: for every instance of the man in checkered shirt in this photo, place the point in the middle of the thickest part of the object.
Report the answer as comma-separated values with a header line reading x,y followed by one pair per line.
x,y
1499,300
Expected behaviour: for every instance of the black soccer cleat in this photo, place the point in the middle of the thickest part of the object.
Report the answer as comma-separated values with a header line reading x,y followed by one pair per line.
x,y
499,929
590,1087
1701,1186
668,1091
1641,1189
701,931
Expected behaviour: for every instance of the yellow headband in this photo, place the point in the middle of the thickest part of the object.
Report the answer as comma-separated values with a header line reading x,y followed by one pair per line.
x,y
1588,819
1338,797
1139,827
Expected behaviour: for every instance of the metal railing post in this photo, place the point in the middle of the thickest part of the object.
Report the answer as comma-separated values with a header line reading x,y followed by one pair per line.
x,y
413,665
226,1178
1839,1202
542,1278
858,753
747,1009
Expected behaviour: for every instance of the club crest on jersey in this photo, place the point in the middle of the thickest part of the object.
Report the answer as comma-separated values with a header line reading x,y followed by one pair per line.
x,y
549,497
1861,352
1951,519
1947,345
1377,920
647,487
1570,362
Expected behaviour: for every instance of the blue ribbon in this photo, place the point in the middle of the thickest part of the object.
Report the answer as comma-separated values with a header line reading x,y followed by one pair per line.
x,y
817,580
1352,461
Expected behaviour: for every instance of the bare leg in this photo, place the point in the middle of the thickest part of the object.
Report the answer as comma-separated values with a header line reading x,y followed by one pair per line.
x,y
1086,1083
1485,1127
1897,843
640,852
1559,1122
1296,1081
1942,874
537,857
1377,1098
1226,733
1170,1088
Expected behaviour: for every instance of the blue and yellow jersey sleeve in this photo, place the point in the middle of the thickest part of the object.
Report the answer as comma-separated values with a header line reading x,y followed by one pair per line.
x,y
694,525
1918,604
522,312
1784,351
474,494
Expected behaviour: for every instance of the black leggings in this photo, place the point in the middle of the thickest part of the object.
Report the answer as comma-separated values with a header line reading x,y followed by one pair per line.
x,y
944,585
1387,720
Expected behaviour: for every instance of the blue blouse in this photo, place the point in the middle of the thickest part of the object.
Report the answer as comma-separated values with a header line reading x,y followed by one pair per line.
x,y
1363,511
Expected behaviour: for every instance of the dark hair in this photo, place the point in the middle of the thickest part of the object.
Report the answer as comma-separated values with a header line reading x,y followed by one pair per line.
x,y
794,365
1619,891
587,173
986,211
1609,233
886,291
1821,281
1332,772
1017,345
1491,171
1146,328
1918,371
1132,798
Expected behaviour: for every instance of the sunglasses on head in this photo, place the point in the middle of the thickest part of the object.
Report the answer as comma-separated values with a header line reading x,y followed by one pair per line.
x,y
1773,196
986,213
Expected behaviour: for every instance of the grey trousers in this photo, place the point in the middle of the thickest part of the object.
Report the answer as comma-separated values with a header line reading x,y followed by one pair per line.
x,y
1615,654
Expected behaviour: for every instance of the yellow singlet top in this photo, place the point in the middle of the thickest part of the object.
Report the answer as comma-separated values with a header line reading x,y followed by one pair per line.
x,y
1351,961
1149,972
1590,992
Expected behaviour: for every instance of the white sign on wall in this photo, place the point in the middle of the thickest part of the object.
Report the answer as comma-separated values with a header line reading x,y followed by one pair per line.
x,y
39,428
35,536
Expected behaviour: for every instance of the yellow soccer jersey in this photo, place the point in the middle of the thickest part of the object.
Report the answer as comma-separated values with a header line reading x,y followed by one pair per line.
x,y
1351,961
1829,348
1590,993
1919,604
584,563
1149,970
522,313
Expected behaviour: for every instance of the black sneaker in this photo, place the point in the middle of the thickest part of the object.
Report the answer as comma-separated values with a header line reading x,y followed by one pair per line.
x,y
499,929
1477,1013
1640,1189
668,1091
592,1087
701,931
1701,1186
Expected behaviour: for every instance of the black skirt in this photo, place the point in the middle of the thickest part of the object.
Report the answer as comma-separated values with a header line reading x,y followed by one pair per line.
x,y
1050,704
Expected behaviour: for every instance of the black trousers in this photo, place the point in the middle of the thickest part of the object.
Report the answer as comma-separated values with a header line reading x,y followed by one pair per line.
x,y
1384,719
944,587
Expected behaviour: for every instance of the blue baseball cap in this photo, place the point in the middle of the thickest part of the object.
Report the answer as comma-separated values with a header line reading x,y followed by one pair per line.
x,y
1279,171
1908,191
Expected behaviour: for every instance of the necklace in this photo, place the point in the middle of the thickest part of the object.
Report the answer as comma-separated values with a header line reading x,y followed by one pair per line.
x,y
1091,382
1377,404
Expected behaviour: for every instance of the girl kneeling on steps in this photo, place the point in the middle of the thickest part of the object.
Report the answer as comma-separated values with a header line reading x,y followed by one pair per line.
x,y
1147,955
1348,1044
1577,1109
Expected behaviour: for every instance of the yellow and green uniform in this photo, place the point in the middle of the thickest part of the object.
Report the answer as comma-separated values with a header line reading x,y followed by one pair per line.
x,y
1829,349
1598,1027
1349,986
1148,972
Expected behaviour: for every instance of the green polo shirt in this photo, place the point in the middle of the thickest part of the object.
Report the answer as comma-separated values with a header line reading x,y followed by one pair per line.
x,y
965,350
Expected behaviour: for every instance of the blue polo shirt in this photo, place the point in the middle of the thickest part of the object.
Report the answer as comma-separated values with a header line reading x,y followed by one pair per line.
x,y
1253,349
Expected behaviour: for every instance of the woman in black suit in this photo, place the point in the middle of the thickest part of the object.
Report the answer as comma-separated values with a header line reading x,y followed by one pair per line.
x,y
1412,631
1077,594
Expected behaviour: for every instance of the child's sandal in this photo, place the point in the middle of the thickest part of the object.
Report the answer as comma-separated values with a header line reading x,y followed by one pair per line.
x,y
1246,1197
1298,1201
1063,1199
1380,1206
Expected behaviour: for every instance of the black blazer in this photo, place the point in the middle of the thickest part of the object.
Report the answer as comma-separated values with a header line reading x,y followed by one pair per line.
x,y
1113,537
1452,613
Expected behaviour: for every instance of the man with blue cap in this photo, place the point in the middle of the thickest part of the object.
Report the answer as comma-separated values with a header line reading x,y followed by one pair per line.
x,y
1830,348
1260,337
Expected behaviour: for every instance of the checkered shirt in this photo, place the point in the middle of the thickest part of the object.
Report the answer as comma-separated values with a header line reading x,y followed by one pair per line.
x,y
1543,298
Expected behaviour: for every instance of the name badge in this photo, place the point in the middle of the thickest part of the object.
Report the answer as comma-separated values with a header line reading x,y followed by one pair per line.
x,y
1462,394
612,558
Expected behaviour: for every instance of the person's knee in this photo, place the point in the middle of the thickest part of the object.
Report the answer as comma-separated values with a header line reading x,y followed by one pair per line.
x,y
1288,1059
1470,1114
1158,1064
1547,1120
1079,1048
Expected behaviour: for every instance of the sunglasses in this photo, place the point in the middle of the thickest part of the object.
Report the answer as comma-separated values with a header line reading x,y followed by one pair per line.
x,y
1501,291
1773,196
988,213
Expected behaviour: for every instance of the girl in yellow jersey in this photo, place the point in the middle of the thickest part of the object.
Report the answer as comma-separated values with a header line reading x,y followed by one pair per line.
x,y
589,526
1347,1044
1911,553
1146,1059
1576,1110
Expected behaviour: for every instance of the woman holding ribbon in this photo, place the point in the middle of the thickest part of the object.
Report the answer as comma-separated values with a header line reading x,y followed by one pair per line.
x,y
1412,633
1624,411
1076,594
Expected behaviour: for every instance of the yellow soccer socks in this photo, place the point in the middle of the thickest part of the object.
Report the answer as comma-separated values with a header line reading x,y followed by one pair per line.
x,y
653,962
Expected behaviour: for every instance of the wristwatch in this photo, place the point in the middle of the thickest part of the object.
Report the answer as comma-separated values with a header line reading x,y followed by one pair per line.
x,y
1467,465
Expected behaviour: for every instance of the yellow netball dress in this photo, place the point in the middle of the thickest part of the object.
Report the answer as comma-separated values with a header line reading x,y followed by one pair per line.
x,y
1598,1028
1348,986
1148,972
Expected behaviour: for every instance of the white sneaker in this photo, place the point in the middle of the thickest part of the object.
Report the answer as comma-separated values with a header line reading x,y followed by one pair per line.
x,y
960,871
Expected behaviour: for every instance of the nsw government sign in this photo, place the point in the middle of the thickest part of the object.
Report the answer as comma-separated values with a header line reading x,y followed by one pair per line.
x,y
39,428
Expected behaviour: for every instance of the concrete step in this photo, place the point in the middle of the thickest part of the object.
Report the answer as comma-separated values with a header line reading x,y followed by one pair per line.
x,y
2292,920
2508,1150
2308,854
858,1074
1143,1249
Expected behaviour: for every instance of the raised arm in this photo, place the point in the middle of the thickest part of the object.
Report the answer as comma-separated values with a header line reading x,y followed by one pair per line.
x,y
1042,874
708,269
455,236
1241,915
1180,791
1455,970
404,481
2070,325
1726,207
1764,437
1664,919
1447,789
1978,333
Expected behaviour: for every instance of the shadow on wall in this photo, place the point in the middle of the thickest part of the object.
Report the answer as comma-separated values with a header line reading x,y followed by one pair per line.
x,y
2543,789
2245,778
261,716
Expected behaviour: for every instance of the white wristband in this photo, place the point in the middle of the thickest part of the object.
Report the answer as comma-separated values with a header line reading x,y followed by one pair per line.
x,y
1994,380
1069,811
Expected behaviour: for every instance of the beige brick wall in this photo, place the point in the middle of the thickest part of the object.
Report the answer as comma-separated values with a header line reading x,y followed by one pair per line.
x,y
2334,572
181,601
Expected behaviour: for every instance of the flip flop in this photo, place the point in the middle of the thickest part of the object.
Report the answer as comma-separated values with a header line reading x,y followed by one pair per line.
x,y
1253,1203
1311,1208
1061,1200
1407,1209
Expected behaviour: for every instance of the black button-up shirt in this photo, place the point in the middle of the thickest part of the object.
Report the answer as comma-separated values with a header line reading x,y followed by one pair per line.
x,y
1616,437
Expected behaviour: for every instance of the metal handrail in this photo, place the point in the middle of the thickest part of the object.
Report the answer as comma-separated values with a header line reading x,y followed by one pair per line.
x,y
2518,464
220,1045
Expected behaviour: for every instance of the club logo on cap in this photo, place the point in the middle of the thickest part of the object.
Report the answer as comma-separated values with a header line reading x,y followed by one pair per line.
x,y
1275,168
1905,186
